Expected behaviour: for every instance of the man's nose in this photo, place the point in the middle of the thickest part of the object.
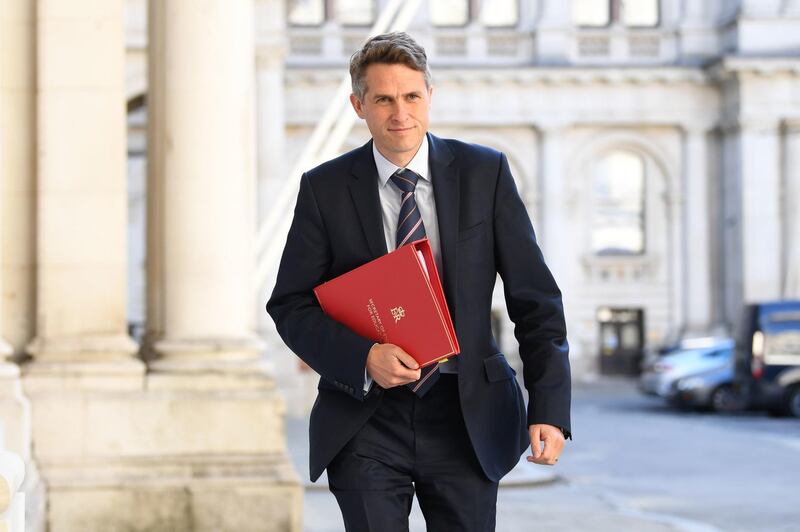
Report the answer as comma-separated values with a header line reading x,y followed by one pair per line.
x,y
400,111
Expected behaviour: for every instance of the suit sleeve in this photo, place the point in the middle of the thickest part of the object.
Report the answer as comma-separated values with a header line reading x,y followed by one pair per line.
x,y
331,349
534,305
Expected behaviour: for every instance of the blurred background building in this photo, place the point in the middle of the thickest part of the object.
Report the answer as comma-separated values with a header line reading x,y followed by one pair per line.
x,y
656,144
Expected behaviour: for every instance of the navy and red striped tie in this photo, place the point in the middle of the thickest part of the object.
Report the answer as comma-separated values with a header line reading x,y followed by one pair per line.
x,y
409,229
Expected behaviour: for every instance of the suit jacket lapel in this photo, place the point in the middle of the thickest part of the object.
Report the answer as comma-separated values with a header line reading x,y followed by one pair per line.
x,y
446,192
364,191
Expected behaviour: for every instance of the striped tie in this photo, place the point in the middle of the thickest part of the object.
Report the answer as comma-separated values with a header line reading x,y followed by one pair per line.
x,y
409,229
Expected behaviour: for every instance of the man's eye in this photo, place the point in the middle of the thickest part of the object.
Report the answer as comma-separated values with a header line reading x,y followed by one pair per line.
x,y
413,96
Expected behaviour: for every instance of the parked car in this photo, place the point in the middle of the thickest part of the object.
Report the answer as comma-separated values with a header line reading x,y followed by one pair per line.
x,y
711,388
693,358
768,356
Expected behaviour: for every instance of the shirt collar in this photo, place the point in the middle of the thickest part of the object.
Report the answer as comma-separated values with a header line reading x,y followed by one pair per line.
x,y
418,164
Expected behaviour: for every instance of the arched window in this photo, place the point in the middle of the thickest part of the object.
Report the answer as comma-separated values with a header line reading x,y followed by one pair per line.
x,y
618,220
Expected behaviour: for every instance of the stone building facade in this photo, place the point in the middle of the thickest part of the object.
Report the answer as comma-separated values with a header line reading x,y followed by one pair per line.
x,y
177,427
656,144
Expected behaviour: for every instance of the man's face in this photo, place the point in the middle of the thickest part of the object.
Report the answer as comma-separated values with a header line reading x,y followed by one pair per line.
x,y
395,107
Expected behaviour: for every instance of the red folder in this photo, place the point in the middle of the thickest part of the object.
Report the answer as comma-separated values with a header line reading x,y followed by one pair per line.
x,y
397,299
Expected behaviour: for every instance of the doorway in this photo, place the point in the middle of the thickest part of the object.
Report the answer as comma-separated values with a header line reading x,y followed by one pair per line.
x,y
621,340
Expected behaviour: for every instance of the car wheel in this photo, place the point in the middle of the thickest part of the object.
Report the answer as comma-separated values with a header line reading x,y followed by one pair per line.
x,y
793,404
724,399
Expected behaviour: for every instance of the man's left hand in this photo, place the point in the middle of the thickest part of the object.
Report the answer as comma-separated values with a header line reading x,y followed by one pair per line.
x,y
553,440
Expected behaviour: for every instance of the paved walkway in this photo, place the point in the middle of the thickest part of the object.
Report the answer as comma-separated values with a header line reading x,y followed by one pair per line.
x,y
531,497
524,474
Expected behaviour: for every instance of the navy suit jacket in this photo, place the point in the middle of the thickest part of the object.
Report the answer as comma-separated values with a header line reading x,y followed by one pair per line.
x,y
484,230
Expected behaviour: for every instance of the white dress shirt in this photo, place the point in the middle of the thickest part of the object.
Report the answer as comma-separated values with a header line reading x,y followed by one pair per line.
x,y
390,196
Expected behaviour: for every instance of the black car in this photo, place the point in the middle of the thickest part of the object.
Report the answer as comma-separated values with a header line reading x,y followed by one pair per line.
x,y
768,356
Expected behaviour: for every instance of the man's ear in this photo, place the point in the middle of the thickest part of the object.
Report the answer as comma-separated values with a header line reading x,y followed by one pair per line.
x,y
430,95
356,103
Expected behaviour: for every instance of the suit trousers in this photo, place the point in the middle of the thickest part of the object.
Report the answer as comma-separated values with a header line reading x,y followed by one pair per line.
x,y
413,444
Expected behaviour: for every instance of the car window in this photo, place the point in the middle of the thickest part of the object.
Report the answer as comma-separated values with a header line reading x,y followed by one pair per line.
x,y
718,353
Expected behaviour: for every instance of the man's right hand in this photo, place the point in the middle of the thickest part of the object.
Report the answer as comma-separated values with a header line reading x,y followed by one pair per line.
x,y
390,366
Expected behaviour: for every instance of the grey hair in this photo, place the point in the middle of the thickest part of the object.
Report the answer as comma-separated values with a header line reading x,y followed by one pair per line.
x,y
388,48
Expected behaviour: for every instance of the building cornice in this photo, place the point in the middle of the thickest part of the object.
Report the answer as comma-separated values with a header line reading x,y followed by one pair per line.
x,y
532,75
761,66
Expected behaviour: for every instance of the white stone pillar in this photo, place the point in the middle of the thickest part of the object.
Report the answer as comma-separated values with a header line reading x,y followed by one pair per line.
x,y
697,33
791,217
675,259
81,188
17,174
791,8
761,217
270,55
697,231
553,32
203,166
556,232
552,177
761,8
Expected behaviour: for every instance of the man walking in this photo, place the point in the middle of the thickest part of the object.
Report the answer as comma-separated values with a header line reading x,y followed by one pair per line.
x,y
382,427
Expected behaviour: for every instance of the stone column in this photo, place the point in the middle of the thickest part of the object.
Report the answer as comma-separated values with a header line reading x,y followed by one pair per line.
x,y
730,264
676,261
697,35
791,218
82,194
554,201
761,217
761,8
271,142
17,174
204,166
272,159
16,115
791,8
697,232
214,402
553,32
557,235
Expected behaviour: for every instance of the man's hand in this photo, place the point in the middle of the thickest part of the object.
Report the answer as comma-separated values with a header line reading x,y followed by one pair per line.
x,y
553,440
390,366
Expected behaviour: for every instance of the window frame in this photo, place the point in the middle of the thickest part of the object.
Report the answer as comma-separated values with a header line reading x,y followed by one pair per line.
x,y
615,19
369,24
642,206
501,27
610,23
657,23
469,18
325,16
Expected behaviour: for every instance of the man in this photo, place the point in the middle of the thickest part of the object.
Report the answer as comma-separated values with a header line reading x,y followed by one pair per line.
x,y
382,427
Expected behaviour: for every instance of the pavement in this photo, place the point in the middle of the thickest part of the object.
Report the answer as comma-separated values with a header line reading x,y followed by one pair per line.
x,y
635,464
321,513
525,474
